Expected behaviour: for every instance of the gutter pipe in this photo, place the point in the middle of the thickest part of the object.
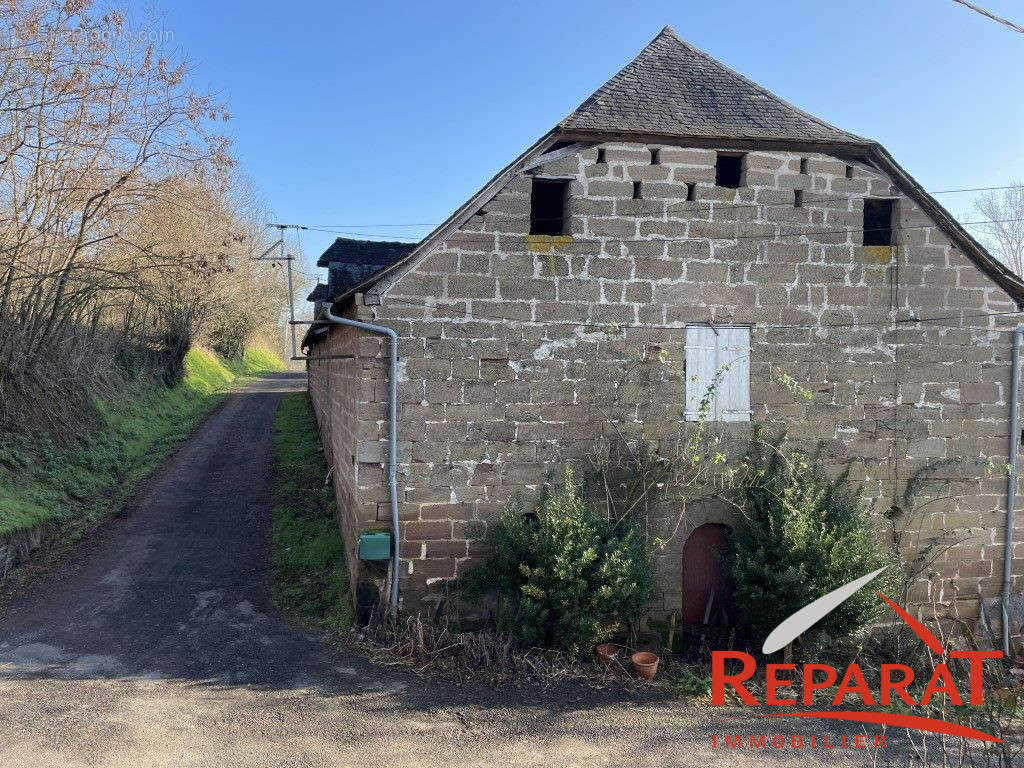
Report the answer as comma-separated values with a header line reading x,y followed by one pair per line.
x,y
1011,485
392,441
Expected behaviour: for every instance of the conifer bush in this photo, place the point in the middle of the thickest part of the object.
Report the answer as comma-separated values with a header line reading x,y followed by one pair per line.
x,y
801,535
567,578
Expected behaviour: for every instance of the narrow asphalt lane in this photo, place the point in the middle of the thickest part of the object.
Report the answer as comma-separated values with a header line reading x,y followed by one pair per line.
x,y
178,588
154,644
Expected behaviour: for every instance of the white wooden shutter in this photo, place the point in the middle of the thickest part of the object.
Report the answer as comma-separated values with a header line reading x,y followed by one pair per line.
x,y
733,400
708,352
701,354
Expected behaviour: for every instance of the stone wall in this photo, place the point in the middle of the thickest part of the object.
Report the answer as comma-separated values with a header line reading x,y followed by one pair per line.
x,y
509,342
342,393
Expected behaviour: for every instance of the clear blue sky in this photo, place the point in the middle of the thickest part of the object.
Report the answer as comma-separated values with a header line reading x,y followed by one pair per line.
x,y
361,113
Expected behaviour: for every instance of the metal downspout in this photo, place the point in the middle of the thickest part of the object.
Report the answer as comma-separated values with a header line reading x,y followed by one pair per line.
x,y
1011,485
392,442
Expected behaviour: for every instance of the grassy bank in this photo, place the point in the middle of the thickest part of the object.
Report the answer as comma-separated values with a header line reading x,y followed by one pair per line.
x,y
140,426
310,577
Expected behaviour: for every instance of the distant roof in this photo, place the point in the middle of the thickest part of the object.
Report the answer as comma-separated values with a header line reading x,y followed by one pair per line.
x,y
672,88
319,293
383,252
352,262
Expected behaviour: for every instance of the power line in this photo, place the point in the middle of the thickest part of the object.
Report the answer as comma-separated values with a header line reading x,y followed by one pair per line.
x,y
486,237
368,226
974,189
990,15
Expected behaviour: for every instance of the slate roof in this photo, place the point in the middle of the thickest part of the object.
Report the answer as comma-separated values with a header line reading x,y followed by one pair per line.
x,y
364,251
351,262
672,88
319,293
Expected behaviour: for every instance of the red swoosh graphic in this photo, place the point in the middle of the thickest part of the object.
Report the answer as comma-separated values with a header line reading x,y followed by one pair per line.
x,y
919,629
900,721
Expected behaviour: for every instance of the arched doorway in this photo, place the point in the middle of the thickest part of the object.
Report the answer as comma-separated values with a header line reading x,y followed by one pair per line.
x,y
707,590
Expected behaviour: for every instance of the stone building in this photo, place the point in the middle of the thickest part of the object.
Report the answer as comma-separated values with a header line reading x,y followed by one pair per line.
x,y
687,217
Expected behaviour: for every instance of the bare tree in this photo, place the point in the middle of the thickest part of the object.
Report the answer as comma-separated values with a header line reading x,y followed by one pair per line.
x,y
120,232
193,245
1004,236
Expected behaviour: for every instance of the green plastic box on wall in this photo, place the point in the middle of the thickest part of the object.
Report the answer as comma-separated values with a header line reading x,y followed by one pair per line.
x,y
375,546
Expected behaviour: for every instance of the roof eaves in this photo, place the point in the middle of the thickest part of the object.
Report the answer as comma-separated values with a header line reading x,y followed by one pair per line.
x,y
316,327
319,293
1002,275
718,141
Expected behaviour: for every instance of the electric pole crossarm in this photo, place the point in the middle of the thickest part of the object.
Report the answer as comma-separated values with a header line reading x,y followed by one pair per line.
x,y
287,259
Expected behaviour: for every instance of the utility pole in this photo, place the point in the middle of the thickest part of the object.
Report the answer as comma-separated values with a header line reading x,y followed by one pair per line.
x,y
287,259
291,290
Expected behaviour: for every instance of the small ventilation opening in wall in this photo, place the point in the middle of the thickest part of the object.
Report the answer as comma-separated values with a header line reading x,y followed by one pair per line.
x,y
691,192
849,171
600,155
637,191
728,170
803,165
878,221
798,198
655,157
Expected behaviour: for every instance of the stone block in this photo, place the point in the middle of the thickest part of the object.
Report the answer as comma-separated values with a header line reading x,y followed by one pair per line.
x,y
611,227
472,286
980,392
605,188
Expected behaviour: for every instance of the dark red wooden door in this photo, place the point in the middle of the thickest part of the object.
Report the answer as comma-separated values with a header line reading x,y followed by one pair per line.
x,y
707,591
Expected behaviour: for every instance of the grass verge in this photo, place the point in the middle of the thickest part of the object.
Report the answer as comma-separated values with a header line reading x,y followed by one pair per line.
x,y
258,359
310,577
141,426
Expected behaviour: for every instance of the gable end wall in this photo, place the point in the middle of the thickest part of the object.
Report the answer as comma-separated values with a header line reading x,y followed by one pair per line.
x,y
504,354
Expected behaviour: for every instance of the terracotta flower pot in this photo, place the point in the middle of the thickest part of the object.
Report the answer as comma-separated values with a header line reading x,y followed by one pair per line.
x,y
645,664
607,652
